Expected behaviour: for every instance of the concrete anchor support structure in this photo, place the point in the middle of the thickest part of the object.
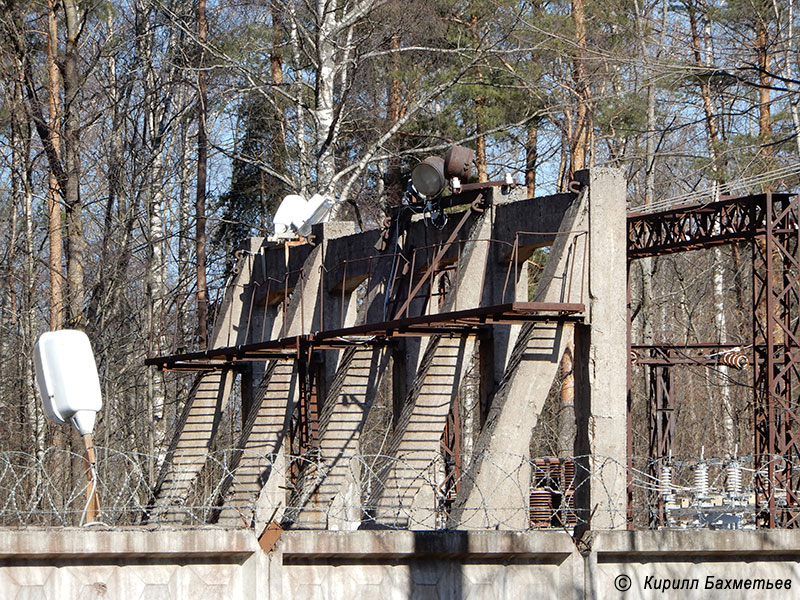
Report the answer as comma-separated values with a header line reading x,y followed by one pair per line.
x,y
409,493
330,304
208,397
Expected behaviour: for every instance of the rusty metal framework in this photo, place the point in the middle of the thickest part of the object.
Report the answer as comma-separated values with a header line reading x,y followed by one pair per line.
x,y
304,430
303,435
452,454
663,399
662,432
454,323
694,227
776,280
770,223
666,355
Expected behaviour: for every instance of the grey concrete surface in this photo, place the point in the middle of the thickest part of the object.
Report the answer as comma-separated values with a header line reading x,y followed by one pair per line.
x,y
226,564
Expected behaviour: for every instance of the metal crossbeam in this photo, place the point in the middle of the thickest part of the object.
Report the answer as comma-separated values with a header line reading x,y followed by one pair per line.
x,y
455,323
666,355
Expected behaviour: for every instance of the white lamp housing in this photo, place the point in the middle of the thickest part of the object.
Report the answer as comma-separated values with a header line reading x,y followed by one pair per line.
x,y
67,377
319,209
290,216
296,215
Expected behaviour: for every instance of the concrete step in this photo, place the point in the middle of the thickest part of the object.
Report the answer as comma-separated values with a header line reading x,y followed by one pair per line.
x,y
344,412
262,436
413,472
190,450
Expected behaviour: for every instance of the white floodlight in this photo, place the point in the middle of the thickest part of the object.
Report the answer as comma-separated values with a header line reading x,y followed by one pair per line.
x,y
295,215
319,208
70,389
290,216
67,378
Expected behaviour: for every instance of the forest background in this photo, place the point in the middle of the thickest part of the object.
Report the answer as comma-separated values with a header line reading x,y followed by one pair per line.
x,y
141,141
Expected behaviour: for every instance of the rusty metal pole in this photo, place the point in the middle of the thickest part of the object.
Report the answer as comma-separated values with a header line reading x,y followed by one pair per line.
x,y
662,430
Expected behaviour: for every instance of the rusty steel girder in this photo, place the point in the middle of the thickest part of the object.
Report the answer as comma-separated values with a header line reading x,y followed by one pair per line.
x,y
728,221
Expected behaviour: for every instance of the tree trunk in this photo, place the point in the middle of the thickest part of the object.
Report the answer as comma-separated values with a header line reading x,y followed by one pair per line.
x,y
72,166
765,82
324,109
158,99
394,112
705,93
480,109
300,128
717,265
22,194
183,330
786,72
531,156
566,414
53,205
200,198
579,143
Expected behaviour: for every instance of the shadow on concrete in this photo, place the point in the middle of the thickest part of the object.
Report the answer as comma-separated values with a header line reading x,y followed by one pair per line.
x,y
441,578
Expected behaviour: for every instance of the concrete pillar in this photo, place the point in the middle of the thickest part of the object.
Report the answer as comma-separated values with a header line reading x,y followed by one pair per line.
x,y
274,419
410,496
197,426
495,492
607,352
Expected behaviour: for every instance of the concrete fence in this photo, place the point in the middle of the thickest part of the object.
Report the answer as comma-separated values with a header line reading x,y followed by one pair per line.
x,y
225,564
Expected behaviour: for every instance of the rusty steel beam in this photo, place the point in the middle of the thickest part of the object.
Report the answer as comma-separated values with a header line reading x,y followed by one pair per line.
x,y
460,322
282,348
776,331
671,355
662,434
728,221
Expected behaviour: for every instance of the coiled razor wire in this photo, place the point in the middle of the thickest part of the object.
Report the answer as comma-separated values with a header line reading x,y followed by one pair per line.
x,y
411,491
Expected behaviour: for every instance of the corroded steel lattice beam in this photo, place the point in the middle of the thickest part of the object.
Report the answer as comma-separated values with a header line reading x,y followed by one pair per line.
x,y
701,226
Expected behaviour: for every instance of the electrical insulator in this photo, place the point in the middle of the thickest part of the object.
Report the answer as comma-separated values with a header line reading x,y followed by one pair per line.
x,y
735,359
701,480
734,479
665,485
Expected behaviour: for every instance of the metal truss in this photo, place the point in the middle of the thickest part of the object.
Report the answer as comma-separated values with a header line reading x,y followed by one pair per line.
x,y
776,287
662,432
770,223
454,323
728,221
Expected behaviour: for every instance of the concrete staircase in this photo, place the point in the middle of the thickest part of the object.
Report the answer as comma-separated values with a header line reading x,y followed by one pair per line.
x,y
344,411
262,436
409,497
187,455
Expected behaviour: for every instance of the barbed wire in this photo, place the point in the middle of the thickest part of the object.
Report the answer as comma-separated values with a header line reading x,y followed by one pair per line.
x,y
415,490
